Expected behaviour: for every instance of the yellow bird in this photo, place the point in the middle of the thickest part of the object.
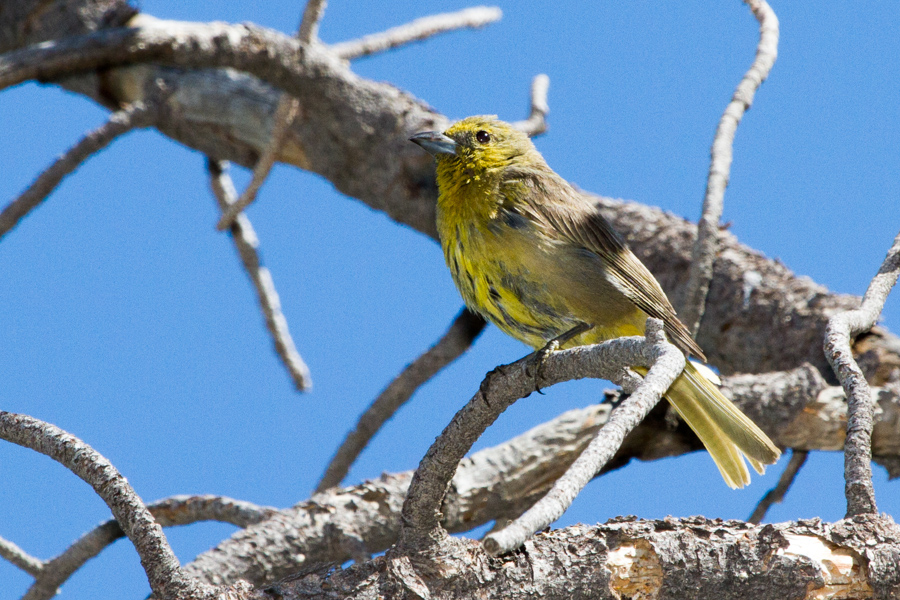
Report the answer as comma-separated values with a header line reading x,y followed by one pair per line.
x,y
534,257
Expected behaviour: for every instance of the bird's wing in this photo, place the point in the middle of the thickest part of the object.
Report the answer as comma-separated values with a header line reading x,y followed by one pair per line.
x,y
578,221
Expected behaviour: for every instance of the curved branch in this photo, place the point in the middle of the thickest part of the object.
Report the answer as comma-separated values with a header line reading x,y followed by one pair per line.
x,y
465,329
504,385
536,123
861,417
177,510
666,364
706,246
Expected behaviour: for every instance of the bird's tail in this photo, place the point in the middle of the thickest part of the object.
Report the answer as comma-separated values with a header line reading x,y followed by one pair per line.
x,y
728,434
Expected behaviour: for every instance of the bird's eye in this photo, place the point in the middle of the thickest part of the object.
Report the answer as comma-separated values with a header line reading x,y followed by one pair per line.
x,y
483,137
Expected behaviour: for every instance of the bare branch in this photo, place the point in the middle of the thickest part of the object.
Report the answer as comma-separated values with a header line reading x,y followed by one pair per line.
x,y
500,389
706,245
860,420
246,243
309,24
167,580
667,363
465,329
777,493
536,123
285,114
177,510
417,30
11,552
134,116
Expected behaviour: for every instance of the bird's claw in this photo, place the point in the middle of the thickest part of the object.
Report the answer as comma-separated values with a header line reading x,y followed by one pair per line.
x,y
536,363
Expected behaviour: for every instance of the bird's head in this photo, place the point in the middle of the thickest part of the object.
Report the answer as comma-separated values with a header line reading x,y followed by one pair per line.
x,y
477,149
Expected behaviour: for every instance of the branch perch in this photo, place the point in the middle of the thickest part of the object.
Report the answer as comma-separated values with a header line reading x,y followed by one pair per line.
x,y
666,362
706,245
500,389
860,419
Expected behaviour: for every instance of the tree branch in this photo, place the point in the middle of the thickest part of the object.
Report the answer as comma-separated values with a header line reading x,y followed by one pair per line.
x,y
11,552
504,385
777,493
136,115
167,580
536,123
464,330
694,557
667,363
751,301
285,114
706,246
177,510
246,243
417,30
860,421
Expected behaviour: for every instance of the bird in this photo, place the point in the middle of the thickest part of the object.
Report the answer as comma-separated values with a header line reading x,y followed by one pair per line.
x,y
533,256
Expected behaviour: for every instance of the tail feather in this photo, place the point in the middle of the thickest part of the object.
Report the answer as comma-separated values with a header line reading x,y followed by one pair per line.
x,y
728,434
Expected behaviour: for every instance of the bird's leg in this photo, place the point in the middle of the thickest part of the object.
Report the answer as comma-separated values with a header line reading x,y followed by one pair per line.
x,y
536,362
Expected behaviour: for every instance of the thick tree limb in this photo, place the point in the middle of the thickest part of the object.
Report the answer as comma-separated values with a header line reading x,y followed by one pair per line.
x,y
501,483
860,423
692,558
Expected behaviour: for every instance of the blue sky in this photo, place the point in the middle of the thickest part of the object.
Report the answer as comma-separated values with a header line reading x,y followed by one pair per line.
x,y
128,322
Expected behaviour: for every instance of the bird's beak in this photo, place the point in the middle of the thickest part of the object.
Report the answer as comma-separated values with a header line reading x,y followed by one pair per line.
x,y
435,143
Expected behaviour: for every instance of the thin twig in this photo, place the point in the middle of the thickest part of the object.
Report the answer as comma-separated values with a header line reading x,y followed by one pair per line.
x,y
667,363
284,116
246,243
706,246
136,115
167,580
177,510
777,493
504,385
860,406
417,30
459,336
14,554
536,123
